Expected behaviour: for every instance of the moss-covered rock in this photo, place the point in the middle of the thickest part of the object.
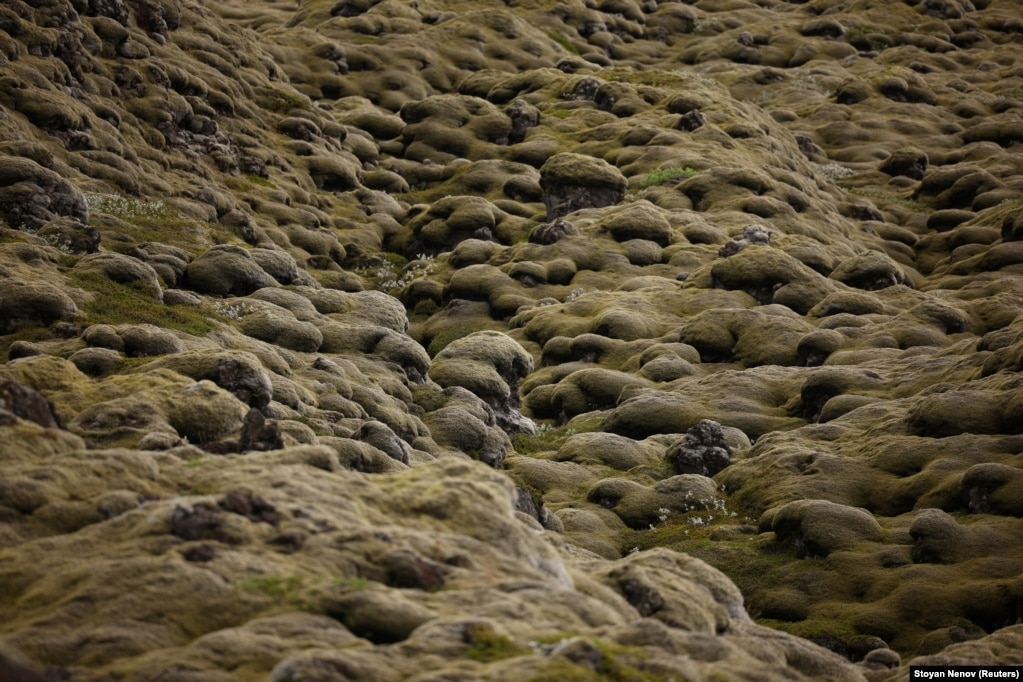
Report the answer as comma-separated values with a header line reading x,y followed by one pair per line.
x,y
574,181
24,304
226,271
490,365
819,527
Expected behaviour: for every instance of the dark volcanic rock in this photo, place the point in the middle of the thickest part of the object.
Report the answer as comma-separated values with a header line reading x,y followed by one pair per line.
x,y
27,403
703,451
258,434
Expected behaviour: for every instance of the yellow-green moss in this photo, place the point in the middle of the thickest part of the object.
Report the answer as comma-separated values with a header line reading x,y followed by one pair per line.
x,y
548,438
662,175
486,645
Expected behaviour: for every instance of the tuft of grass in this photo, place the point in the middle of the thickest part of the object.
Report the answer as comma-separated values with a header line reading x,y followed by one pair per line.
x,y
550,437
547,438
136,303
148,221
662,175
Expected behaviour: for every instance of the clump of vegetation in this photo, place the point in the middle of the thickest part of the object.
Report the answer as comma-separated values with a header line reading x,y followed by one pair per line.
x,y
301,591
839,637
486,645
617,663
279,101
564,42
672,174
394,272
577,292
693,526
419,268
148,221
260,181
549,437
135,303
703,25
128,209
833,171
864,30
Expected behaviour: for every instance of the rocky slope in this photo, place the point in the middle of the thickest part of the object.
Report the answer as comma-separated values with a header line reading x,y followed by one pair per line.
x,y
512,340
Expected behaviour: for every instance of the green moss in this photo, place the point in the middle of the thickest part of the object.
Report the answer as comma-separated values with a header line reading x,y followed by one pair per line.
x,y
564,42
662,175
203,462
441,340
135,303
279,101
260,181
145,221
835,635
274,585
426,193
618,663
127,208
486,645
751,499
864,30
558,112
350,583
547,438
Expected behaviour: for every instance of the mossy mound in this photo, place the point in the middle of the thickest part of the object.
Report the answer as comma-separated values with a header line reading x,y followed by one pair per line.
x,y
423,341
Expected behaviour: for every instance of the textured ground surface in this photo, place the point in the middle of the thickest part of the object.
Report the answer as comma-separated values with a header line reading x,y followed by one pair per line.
x,y
510,340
